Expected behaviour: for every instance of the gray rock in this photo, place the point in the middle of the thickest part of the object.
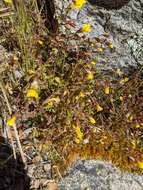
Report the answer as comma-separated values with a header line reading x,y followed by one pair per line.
x,y
110,4
125,28
99,175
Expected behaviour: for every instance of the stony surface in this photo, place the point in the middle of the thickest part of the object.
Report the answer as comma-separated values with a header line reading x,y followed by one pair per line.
x,y
110,4
125,28
99,175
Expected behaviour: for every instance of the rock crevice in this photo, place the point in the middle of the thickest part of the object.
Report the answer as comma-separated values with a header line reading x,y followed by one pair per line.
x,y
110,4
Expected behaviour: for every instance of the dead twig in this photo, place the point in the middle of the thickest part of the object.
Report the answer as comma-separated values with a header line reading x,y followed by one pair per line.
x,y
14,127
5,12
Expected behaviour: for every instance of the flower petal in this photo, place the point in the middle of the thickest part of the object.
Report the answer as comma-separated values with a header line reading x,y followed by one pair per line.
x,y
32,93
11,121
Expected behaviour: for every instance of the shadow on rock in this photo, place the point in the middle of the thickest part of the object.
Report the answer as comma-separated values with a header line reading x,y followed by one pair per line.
x,y
110,4
13,176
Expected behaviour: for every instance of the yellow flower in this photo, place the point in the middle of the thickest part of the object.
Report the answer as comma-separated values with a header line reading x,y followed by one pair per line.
x,y
137,126
32,93
77,4
49,105
99,50
81,94
86,28
92,120
40,42
90,76
98,108
11,121
140,165
8,2
126,79
110,45
123,81
79,134
107,90
93,62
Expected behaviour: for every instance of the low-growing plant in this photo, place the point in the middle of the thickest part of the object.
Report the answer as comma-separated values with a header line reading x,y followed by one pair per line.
x,y
73,108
